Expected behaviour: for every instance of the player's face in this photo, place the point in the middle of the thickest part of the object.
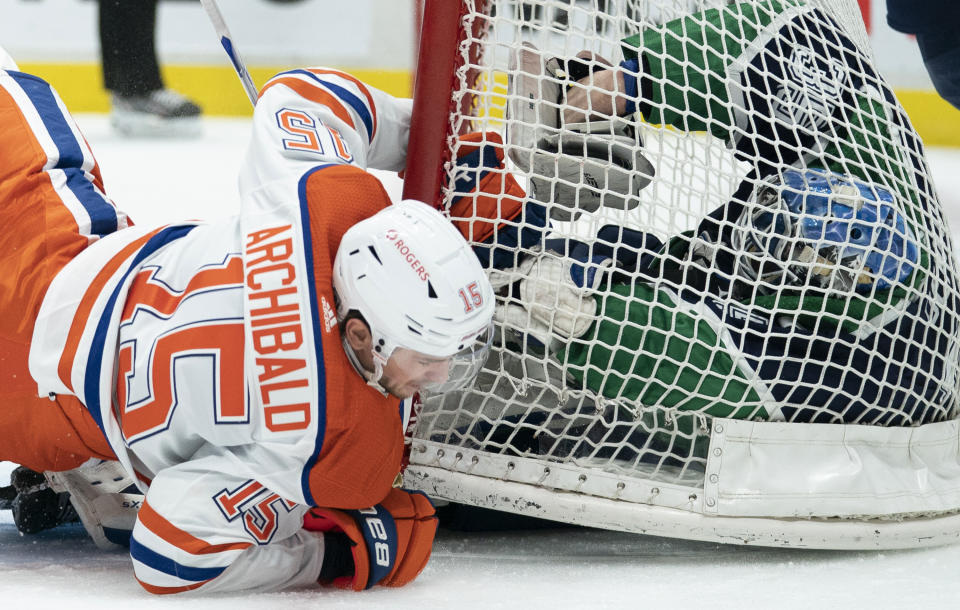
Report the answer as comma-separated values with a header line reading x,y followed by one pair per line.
x,y
408,371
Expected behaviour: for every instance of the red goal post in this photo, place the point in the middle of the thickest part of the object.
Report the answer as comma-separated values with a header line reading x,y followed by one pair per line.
x,y
438,59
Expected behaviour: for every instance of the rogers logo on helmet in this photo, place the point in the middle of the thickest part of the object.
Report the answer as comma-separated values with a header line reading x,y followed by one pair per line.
x,y
408,255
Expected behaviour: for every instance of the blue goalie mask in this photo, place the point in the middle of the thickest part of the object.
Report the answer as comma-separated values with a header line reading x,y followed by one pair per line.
x,y
823,229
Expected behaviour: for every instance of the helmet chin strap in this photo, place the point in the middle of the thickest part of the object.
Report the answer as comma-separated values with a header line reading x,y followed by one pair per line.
x,y
372,377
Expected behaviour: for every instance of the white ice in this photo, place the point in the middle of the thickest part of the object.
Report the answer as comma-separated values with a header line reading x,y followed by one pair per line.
x,y
158,181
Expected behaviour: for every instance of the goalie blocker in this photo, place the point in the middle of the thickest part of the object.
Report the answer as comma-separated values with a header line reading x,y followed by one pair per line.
x,y
581,167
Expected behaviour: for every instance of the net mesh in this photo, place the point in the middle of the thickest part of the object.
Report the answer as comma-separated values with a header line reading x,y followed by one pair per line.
x,y
749,231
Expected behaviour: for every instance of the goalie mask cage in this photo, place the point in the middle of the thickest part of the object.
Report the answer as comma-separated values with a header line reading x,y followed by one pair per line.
x,y
830,424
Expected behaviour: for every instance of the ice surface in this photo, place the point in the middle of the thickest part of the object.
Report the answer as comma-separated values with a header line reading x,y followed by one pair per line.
x,y
167,180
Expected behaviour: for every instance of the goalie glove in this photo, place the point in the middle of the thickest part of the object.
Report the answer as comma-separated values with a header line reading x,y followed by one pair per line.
x,y
578,167
390,543
581,172
555,299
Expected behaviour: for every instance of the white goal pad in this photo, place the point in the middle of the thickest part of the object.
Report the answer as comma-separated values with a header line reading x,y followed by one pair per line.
x,y
754,336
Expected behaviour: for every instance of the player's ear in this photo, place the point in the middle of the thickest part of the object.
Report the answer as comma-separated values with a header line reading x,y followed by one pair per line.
x,y
358,335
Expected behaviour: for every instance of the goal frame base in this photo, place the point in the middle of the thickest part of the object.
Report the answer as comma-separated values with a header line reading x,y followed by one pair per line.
x,y
578,509
822,486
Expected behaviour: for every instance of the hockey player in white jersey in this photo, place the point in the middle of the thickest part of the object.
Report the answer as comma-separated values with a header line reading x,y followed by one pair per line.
x,y
246,373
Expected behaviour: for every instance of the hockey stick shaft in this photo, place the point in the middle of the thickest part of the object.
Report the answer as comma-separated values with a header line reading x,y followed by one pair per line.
x,y
216,18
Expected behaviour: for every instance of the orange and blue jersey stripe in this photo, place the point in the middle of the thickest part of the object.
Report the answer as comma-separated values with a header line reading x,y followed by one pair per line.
x,y
311,86
159,572
358,462
85,309
193,577
68,154
317,323
371,105
93,373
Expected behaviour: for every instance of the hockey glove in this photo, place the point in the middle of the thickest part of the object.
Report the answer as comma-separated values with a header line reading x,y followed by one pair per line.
x,y
582,172
535,96
553,300
390,542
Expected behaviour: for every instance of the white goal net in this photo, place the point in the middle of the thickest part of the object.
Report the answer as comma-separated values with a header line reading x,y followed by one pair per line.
x,y
727,303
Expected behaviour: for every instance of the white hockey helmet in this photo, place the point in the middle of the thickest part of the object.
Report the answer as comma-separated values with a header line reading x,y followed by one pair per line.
x,y
418,285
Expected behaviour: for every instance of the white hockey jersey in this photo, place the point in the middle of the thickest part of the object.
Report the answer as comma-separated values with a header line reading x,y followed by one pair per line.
x,y
210,357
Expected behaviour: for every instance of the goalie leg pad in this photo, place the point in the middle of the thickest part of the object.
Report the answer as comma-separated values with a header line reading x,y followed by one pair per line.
x,y
105,498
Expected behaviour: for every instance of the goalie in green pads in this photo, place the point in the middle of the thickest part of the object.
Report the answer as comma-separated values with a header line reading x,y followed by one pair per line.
x,y
810,296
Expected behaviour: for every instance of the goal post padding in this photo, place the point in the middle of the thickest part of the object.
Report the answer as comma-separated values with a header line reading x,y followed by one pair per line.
x,y
801,415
